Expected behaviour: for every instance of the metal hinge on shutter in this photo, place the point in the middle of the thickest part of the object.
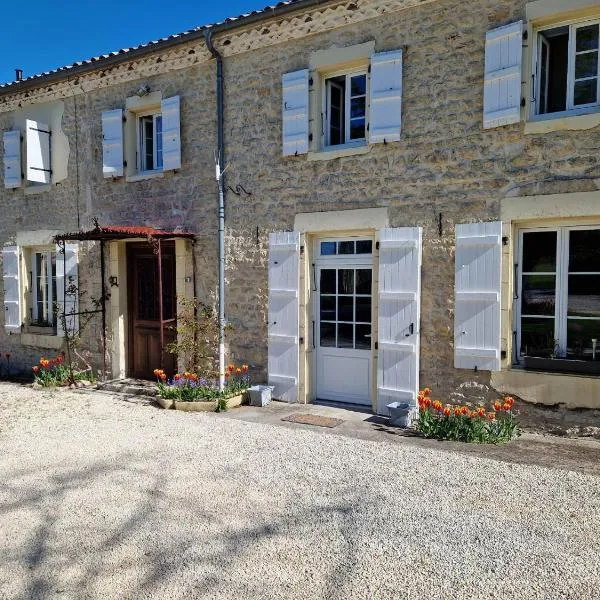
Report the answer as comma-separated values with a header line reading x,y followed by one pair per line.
x,y
376,245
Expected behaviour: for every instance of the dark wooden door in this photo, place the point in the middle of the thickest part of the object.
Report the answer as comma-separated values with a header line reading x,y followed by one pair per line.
x,y
144,309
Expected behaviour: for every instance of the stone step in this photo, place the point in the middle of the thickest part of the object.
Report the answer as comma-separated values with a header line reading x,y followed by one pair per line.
x,y
131,387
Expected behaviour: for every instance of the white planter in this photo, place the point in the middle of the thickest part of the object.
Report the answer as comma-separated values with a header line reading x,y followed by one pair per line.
x,y
401,414
260,395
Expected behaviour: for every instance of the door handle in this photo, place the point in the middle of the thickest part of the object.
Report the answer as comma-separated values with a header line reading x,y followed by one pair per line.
x,y
411,330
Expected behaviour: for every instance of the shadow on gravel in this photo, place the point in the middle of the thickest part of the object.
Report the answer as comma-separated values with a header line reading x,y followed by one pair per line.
x,y
97,564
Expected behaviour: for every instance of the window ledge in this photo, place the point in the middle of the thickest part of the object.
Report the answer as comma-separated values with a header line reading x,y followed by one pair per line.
x,y
563,123
39,340
143,176
31,190
339,152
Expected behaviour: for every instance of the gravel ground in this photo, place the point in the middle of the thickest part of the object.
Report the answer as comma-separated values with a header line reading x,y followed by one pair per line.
x,y
100,498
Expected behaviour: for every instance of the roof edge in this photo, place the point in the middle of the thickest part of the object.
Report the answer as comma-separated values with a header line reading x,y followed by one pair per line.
x,y
122,56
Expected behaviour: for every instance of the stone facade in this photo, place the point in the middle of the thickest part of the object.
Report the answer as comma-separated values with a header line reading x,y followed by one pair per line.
x,y
445,170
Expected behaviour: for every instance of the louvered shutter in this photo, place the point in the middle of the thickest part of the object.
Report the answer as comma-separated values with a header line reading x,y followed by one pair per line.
x,y
478,273
12,159
295,113
67,288
502,87
12,294
112,143
171,137
37,140
385,121
284,310
399,316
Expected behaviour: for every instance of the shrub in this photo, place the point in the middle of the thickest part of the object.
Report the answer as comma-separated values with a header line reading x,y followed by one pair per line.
x,y
190,387
466,424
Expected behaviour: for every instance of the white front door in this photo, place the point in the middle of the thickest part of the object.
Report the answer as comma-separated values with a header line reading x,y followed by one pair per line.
x,y
343,319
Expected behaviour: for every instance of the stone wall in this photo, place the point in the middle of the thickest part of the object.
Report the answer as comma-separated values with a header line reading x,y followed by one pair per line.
x,y
446,167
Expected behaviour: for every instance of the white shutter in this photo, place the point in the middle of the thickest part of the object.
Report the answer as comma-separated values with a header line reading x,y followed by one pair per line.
x,y
284,311
295,113
171,137
385,121
502,87
12,159
399,316
112,143
478,272
37,140
67,288
12,293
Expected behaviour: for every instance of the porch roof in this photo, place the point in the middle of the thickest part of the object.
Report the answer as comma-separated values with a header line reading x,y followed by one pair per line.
x,y
122,232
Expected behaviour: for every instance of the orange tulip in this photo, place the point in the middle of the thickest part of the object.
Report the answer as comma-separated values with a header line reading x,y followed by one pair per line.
x,y
509,400
227,374
464,410
427,402
426,392
491,416
238,371
245,368
481,411
473,414
506,406
231,368
447,411
163,376
497,406
35,369
457,411
177,377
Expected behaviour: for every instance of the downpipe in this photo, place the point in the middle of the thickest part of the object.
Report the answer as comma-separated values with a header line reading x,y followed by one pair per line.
x,y
219,172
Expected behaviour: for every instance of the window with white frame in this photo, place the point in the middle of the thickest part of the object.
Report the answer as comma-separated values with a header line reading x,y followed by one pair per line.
x,y
566,68
43,288
558,299
345,109
150,142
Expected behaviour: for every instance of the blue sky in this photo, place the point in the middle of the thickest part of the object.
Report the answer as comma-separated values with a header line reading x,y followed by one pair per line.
x,y
45,34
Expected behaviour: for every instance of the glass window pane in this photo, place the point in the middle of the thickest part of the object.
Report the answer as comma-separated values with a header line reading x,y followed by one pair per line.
x,y
363,281
539,252
537,337
363,309
357,129
364,247
345,247
328,312
587,38
328,248
345,306
328,281
580,336
584,250
357,107
585,92
345,336
538,295
584,296
363,337
159,143
346,281
586,65
327,339
358,85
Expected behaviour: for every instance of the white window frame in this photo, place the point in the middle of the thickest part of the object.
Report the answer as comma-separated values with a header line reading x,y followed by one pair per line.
x,y
562,284
141,142
325,108
341,257
51,322
571,109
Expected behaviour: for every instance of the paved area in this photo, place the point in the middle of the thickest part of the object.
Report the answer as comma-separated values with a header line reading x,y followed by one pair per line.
x,y
104,498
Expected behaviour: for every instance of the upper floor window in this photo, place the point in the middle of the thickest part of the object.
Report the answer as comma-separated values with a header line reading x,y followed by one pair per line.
x,y
567,68
150,146
345,110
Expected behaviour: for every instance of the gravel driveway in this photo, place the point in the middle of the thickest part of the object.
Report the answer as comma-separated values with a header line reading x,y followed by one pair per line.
x,y
101,498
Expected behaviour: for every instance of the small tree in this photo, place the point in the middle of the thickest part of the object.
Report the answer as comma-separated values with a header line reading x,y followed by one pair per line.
x,y
197,343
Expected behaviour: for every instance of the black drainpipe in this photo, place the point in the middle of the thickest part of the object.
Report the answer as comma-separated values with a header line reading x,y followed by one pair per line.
x,y
219,175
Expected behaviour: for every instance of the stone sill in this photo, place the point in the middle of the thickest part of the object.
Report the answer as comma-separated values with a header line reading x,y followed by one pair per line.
x,y
339,152
31,190
573,122
39,340
144,176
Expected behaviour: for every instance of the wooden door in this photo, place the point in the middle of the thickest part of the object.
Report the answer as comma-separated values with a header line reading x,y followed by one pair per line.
x,y
144,309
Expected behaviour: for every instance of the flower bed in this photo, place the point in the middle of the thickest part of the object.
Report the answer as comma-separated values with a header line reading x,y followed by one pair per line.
x,y
54,372
464,423
191,388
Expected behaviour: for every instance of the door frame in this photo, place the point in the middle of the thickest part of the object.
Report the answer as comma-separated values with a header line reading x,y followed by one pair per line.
x,y
353,261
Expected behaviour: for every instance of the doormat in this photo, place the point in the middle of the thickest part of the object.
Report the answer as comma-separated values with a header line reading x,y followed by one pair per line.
x,y
317,420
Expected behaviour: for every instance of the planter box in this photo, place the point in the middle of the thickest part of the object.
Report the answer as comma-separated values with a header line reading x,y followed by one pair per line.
x,y
164,402
401,414
207,406
562,365
260,395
